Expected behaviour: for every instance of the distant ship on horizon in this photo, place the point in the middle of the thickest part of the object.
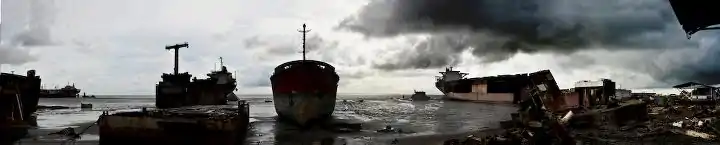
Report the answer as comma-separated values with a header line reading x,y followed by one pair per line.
x,y
69,91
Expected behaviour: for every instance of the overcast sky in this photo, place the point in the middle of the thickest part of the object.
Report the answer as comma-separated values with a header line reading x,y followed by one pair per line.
x,y
377,46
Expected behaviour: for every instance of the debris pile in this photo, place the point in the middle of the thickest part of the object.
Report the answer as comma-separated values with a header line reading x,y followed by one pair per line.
x,y
589,114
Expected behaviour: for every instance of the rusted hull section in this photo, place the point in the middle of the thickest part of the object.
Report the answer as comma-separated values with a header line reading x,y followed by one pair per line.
x,y
303,109
18,103
194,125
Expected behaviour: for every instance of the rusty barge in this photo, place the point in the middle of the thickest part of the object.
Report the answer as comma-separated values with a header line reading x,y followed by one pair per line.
x,y
19,96
197,125
188,111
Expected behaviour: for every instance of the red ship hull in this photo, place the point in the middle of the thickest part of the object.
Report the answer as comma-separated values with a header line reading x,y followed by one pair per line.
x,y
304,91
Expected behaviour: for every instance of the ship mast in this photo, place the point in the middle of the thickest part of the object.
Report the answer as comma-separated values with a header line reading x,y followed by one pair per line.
x,y
221,62
177,47
304,31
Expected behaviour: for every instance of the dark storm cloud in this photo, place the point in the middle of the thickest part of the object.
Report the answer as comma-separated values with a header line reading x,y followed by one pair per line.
x,y
702,67
495,30
426,55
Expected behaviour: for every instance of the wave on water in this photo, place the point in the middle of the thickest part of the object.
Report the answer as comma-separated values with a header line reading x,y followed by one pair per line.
x,y
374,113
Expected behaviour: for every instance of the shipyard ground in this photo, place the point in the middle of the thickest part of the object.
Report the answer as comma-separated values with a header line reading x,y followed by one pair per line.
x,y
91,137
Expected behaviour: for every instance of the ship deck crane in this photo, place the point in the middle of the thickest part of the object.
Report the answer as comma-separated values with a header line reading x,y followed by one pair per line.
x,y
177,47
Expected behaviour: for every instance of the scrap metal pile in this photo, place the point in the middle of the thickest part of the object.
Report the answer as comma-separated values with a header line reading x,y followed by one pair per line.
x,y
544,118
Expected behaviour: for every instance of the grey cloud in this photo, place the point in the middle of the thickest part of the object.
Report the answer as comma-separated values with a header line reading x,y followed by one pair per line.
x,y
30,21
256,76
285,45
14,55
34,37
354,73
495,30
704,70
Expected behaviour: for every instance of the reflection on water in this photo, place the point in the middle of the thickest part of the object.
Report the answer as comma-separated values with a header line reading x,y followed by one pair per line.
x,y
413,118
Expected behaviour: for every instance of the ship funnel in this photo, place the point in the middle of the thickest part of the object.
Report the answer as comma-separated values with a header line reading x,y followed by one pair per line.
x,y
31,73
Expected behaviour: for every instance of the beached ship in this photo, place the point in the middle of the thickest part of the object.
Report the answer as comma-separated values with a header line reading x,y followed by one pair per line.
x,y
188,111
188,125
492,89
69,91
304,91
18,103
178,89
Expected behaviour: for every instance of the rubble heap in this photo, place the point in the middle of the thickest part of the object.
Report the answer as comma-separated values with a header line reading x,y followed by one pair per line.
x,y
544,117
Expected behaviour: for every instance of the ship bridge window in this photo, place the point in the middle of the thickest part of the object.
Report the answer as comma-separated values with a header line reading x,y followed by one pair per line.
x,y
322,67
286,67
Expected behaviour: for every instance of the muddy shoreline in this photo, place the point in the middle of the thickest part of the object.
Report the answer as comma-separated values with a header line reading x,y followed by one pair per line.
x,y
40,136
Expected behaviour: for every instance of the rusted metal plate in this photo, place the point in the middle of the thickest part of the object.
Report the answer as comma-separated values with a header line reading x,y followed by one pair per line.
x,y
211,124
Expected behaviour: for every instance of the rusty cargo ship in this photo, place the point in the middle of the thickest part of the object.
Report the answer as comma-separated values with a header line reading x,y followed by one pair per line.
x,y
503,89
188,111
178,89
304,91
19,96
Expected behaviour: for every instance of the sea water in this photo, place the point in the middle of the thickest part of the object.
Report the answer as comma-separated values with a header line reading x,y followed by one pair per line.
x,y
374,112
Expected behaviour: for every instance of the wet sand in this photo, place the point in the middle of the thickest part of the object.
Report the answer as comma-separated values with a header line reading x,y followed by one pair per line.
x,y
435,139
42,137
426,122
90,137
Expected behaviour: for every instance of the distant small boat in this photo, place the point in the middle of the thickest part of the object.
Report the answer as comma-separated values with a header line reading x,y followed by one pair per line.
x,y
86,96
419,96
85,105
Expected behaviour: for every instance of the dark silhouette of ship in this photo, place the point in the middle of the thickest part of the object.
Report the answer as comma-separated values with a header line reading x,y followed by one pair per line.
x,y
304,91
69,91
19,97
179,90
